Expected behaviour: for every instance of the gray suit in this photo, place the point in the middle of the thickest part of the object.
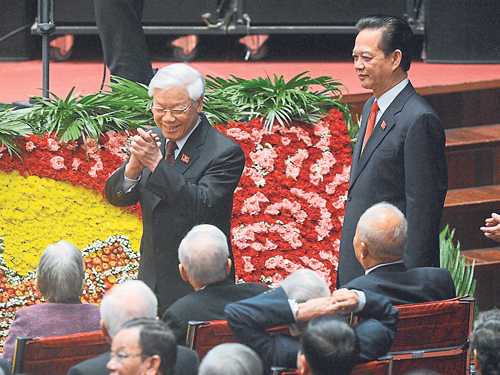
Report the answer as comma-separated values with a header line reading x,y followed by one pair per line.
x,y
198,188
404,164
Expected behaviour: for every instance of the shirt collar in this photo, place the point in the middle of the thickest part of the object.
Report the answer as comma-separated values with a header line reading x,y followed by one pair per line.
x,y
388,97
181,142
380,265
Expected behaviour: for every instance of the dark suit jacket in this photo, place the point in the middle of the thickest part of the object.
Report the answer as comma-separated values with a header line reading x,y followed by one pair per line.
x,y
405,165
249,319
186,364
402,286
207,304
198,188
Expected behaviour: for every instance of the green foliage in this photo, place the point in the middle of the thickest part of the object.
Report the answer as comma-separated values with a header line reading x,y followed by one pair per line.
x,y
12,127
238,99
461,271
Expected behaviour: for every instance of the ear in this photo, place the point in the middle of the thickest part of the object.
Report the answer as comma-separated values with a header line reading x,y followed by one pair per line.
x,y
105,332
363,250
228,267
477,367
302,365
183,273
153,364
396,57
199,104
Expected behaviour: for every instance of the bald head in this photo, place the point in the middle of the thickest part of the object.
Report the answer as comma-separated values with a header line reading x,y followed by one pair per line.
x,y
380,236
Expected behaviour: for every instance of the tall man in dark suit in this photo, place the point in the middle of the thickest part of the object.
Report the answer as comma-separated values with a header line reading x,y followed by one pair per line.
x,y
125,302
379,242
403,161
205,264
183,172
302,296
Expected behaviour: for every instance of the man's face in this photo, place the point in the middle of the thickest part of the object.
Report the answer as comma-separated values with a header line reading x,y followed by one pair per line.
x,y
126,351
374,69
175,127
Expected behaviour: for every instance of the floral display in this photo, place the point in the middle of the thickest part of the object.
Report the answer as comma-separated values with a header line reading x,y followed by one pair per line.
x,y
288,208
287,211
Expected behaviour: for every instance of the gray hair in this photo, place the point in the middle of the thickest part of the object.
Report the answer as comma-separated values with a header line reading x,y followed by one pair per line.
x,y
231,359
204,252
60,273
305,284
386,242
180,76
130,300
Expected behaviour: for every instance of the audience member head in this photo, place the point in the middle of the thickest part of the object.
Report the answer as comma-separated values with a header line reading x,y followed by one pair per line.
x,y
423,371
396,35
179,75
129,300
60,273
328,343
381,235
305,284
143,347
231,359
485,343
204,256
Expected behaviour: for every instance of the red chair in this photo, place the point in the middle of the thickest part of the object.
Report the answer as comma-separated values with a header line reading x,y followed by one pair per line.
x,y
434,335
203,336
383,366
56,355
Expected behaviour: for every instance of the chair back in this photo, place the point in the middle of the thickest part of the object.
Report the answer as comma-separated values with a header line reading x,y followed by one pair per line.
x,y
205,335
434,335
56,355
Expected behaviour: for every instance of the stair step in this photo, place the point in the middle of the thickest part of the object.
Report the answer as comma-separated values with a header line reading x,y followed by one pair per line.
x,y
472,137
460,200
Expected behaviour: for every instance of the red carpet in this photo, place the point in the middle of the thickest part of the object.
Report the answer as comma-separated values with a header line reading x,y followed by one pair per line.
x,y
20,80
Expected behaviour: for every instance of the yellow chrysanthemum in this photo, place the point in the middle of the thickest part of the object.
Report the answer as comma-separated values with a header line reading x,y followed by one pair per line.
x,y
36,212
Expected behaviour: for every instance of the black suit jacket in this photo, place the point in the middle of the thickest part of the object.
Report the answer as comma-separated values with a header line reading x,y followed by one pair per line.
x,y
249,319
187,363
198,188
402,286
207,304
404,164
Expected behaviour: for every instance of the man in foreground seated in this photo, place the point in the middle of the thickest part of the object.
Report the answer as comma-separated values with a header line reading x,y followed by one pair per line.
x,y
328,343
130,300
379,243
231,359
143,347
205,264
302,296
485,343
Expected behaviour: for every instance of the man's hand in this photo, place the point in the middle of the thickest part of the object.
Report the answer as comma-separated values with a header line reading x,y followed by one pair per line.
x,y
492,228
145,148
342,301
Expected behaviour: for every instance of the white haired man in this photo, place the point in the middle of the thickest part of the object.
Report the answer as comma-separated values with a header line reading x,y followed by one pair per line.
x,y
379,244
183,172
205,264
125,302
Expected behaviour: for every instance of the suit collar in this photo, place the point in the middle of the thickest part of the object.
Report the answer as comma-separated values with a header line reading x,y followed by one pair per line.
x,y
388,267
384,125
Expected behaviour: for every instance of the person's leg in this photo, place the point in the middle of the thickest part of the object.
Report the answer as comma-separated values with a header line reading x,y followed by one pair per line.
x,y
122,37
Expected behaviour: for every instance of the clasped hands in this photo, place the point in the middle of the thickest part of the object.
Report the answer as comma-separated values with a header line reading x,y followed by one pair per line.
x,y
492,227
342,301
144,153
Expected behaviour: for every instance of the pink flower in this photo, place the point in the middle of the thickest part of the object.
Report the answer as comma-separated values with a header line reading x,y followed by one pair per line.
x,y
96,167
52,144
285,141
248,266
57,162
238,134
76,163
30,146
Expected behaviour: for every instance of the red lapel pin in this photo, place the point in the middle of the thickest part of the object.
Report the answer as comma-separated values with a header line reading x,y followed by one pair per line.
x,y
383,125
185,158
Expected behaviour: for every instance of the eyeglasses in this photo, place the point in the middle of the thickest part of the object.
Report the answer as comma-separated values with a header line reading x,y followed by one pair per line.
x,y
121,356
174,112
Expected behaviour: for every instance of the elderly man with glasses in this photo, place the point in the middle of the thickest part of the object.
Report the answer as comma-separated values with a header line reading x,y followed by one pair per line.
x,y
183,172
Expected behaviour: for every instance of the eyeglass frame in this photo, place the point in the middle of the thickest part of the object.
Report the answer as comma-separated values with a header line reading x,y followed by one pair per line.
x,y
173,113
121,356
